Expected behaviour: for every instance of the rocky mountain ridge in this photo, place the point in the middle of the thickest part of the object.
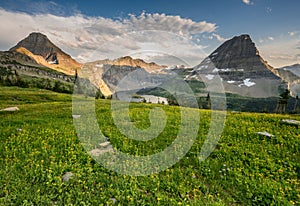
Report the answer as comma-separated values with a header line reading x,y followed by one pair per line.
x,y
237,62
131,62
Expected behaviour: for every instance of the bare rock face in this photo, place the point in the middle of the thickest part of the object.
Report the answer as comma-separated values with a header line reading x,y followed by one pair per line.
x,y
38,44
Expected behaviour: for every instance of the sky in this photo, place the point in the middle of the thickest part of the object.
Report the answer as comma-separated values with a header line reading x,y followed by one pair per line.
x,y
165,31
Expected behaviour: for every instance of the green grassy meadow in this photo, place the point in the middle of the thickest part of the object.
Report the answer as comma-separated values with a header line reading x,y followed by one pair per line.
x,y
38,145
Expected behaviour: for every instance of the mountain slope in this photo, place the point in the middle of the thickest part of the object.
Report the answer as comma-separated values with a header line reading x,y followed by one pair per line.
x,y
107,74
242,70
49,68
17,69
40,46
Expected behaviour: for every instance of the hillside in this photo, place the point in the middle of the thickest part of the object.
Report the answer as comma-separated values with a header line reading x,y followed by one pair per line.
x,y
36,62
40,146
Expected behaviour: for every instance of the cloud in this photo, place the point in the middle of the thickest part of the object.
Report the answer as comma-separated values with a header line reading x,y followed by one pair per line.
x,y
81,36
176,24
297,45
293,33
269,9
248,2
283,56
281,52
219,38
39,7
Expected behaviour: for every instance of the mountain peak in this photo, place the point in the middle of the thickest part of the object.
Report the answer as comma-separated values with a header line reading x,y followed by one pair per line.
x,y
244,36
37,34
238,47
39,44
241,68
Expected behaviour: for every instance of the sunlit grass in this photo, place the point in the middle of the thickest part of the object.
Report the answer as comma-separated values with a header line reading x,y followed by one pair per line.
x,y
39,145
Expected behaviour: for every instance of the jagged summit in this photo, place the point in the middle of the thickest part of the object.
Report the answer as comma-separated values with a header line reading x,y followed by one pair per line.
x,y
38,44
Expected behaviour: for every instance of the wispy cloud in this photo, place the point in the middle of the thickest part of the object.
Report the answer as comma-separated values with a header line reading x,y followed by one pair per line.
x,y
281,52
261,41
248,2
176,24
283,56
39,7
297,45
109,38
293,33
219,37
269,9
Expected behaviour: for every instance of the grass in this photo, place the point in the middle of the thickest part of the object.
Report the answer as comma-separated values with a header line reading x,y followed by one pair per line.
x,y
39,145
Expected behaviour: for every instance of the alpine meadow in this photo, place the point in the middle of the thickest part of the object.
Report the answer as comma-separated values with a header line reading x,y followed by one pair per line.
x,y
149,103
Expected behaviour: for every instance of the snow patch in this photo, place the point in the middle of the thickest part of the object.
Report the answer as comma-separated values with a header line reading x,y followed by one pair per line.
x,y
207,60
226,70
230,82
248,83
210,77
203,67
53,62
216,70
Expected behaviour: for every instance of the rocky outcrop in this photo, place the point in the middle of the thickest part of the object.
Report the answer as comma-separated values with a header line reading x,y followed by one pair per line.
x,y
37,45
